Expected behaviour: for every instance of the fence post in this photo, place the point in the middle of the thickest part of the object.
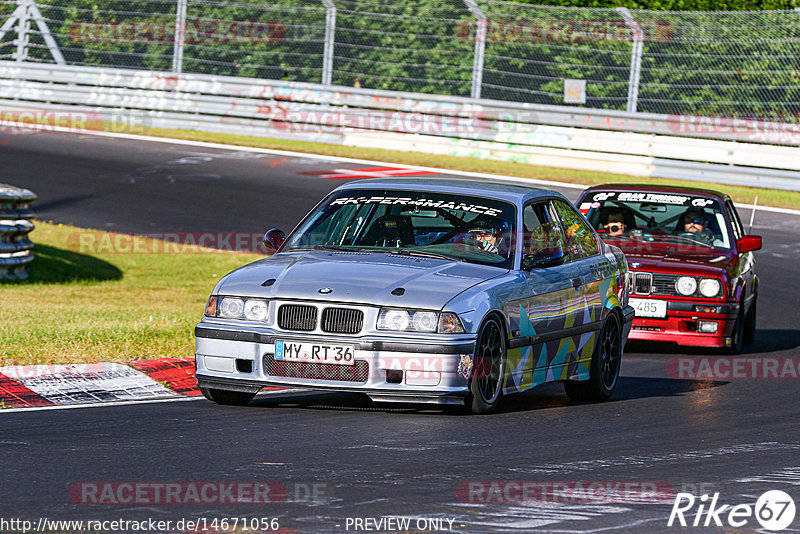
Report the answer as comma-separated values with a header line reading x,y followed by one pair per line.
x,y
44,29
330,38
9,23
180,37
480,47
23,27
636,58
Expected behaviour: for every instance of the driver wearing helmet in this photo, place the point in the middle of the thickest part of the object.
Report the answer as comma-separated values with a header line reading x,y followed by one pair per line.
x,y
489,234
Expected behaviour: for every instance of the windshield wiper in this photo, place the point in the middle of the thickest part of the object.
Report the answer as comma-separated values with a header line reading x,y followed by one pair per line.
x,y
342,248
424,254
690,240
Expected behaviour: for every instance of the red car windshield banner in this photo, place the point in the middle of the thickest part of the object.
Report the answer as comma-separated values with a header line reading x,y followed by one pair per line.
x,y
655,198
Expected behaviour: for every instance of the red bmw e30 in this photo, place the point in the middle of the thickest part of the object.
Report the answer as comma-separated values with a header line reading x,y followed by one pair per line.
x,y
691,279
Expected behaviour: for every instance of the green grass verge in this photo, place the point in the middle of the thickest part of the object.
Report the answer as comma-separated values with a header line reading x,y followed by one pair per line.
x,y
766,197
85,306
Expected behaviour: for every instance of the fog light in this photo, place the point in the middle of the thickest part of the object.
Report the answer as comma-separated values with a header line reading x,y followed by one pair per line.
x,y
707,327
394,376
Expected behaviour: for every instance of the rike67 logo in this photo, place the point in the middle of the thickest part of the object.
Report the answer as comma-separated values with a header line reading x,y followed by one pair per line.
x,y
774,510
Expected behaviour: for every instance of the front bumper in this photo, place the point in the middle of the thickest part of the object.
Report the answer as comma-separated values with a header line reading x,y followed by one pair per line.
x,y
433,370
680,326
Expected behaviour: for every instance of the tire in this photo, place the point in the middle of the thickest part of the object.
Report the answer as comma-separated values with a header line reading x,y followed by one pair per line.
x,y
223,396
750,324
488,368
604,370
737,343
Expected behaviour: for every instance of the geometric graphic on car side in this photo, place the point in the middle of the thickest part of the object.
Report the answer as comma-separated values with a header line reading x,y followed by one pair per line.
x,y
529,366
565,359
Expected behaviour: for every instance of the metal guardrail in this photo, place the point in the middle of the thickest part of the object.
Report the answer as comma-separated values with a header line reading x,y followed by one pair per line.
x,y
267,99
602,140
16,250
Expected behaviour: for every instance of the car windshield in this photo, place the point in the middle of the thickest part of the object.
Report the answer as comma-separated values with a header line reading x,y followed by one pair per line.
x,y
438,225
647,216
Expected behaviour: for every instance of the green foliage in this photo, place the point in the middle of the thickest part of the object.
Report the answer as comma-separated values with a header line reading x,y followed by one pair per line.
x,y
694,62
675,5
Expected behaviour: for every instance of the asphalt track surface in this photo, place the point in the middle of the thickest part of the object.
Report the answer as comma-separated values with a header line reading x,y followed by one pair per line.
x,y
736,437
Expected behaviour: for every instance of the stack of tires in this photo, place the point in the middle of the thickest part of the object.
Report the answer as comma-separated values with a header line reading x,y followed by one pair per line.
x,y
16,222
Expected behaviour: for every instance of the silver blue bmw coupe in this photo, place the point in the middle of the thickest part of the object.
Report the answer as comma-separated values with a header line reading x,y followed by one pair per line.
x,y
448,291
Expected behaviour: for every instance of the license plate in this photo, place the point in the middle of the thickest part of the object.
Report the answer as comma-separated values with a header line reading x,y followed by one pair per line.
x,y
649,307
295,351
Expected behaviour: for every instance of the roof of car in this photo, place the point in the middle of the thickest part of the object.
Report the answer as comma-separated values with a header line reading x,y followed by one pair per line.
x,y
653,187
508,191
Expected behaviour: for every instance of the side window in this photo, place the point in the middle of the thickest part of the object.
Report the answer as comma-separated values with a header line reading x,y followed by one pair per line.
x,y
581,240
541,229
736,223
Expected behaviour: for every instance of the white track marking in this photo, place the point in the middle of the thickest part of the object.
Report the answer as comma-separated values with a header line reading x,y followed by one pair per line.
x,y
789,475
592,465
528,516
87,383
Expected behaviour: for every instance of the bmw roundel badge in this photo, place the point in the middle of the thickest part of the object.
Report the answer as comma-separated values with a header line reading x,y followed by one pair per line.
x,y
325,290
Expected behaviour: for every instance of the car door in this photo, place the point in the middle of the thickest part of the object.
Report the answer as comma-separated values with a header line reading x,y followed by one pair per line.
x,y
547,310
596,275
746,261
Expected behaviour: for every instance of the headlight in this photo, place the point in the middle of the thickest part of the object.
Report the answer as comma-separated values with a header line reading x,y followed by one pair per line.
x,y
393,320
231,308
709,287
425,321
255,310
419,321
239,308
686,285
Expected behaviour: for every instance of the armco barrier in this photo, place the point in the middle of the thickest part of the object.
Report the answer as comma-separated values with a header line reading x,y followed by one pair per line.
x,y
16,250
720,150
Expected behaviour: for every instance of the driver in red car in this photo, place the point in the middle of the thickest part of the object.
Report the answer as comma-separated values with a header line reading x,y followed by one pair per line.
x,y
694,221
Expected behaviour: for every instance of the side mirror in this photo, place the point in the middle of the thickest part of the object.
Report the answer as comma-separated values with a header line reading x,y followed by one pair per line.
x,y
748,243
273,240
547,257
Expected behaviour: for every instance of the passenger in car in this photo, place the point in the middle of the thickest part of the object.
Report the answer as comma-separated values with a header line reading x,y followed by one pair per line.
x,y
615,223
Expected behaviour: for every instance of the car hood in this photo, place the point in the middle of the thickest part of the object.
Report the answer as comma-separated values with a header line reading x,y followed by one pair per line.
x,y
356,277
662,257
